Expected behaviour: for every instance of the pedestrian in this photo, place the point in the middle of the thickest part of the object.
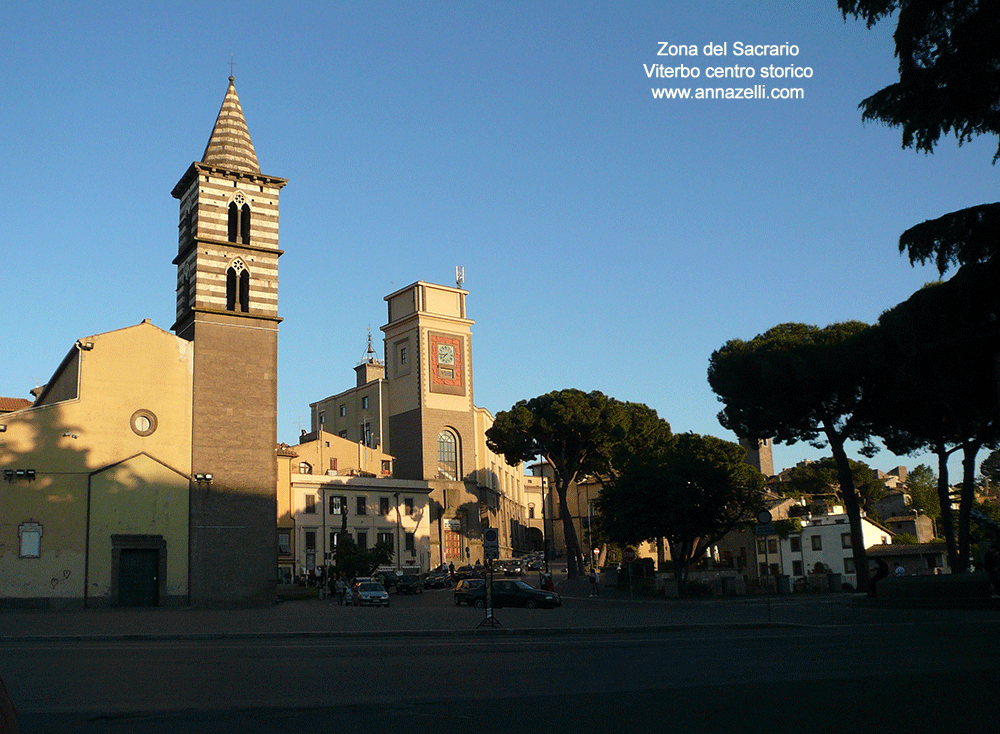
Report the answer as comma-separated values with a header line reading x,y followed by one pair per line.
x,y
592,576
340,589
899,570
451,571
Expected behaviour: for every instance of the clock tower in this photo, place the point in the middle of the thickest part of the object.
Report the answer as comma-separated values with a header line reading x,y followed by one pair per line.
x,y
430,416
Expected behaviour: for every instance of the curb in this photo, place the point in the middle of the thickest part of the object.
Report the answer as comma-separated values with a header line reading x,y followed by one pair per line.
x,y
362,634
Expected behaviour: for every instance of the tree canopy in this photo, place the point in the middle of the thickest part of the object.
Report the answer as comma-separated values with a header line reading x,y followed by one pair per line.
x,y
822,477
580,434
949,69
693,492
937,386
797,382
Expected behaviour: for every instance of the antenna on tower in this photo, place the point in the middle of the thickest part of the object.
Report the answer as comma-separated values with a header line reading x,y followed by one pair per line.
x,y
459,276
370,357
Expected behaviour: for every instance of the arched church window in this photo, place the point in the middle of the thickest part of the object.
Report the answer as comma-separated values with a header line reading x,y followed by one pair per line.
x,y
305,468
447,456
239,220
238,287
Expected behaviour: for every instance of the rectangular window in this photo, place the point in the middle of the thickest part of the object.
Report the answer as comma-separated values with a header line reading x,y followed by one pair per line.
x,y
531,512
845,540
343,411
322,418
362,505
387,538
761,548
403,356
31,540
386,467
310,540
411,543
848,565
311,504
362,541
383,506
364,402
796,568
408,505
795,543
333,464
772,546
284,541
817,542
336,505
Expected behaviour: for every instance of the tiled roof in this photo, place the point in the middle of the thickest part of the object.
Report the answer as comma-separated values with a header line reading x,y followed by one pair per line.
x,y
229,146
8,405
911,549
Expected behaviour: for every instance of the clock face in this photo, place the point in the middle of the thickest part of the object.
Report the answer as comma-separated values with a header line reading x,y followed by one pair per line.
x,y
446,354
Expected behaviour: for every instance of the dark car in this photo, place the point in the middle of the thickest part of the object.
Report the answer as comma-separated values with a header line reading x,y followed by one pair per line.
x,y
517,593
471,592
409,584
506,593
436,580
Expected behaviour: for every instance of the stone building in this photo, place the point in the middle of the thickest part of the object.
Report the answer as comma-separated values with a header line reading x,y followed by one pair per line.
x,y
144,471
417,405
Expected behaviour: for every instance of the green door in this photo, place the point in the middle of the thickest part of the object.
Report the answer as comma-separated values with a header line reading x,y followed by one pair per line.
x,y
138,577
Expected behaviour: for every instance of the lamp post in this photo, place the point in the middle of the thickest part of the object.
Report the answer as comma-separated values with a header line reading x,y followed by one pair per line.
x,y
396,495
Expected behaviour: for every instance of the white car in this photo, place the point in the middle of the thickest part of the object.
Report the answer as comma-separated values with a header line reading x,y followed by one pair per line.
x,y
370,594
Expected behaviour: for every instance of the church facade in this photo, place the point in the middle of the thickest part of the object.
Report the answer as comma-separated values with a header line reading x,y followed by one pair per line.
x,y
145,471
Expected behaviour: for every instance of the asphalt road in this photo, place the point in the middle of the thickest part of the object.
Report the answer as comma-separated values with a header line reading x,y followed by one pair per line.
x,y
920,676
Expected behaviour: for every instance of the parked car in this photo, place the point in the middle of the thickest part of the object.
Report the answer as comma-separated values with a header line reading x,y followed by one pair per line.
x,y
370,594
436,580
517,593
471,592
409,584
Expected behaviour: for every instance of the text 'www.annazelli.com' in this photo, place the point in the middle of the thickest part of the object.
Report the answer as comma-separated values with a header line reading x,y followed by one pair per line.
x,y
757,91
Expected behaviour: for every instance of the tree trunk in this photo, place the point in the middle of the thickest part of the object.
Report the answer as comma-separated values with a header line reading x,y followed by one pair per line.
x,y
969,451
661,555
574,558
946,523
851,505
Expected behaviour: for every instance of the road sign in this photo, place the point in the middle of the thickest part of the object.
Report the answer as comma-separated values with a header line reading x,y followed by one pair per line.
x,y
762,530
491,544
628,555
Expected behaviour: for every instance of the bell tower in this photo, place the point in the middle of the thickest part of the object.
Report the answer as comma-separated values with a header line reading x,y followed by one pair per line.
x,y
227,304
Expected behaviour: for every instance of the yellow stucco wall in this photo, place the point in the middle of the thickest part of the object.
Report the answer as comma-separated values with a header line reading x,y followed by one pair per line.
x,y
140,496
120,372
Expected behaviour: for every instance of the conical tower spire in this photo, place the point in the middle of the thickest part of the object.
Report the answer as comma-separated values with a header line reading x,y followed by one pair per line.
x,y
229,146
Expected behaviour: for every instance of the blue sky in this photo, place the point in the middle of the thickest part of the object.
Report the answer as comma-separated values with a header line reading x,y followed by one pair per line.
x,y
610,241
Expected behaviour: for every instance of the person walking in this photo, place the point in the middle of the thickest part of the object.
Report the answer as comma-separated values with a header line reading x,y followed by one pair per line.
x,y
340,589
592,576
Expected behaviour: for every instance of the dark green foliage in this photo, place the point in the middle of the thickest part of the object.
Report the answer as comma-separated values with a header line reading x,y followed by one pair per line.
x,y
694,491
821,477
937,388
990,468
949,69
904,539
921,484
797,382
352,561
969,235
580,434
